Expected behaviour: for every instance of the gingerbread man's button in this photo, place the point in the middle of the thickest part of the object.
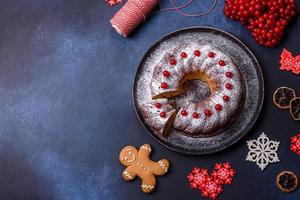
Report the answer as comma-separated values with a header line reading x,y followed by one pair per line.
x,y
138,163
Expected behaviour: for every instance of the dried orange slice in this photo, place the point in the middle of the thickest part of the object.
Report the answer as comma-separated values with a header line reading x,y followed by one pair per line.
x,y
287,181
282,97
295,108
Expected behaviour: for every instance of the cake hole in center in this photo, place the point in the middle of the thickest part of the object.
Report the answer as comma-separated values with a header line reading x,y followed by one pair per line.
x,y
195,91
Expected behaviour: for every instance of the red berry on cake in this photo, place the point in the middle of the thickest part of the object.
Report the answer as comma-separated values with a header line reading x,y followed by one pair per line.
x,y
166,73
163,114
183,55
164,85
229,74
228,86
226,98
222,63
207,112
195,115
218,107
197,53
211,54
184,113
173,61
158,105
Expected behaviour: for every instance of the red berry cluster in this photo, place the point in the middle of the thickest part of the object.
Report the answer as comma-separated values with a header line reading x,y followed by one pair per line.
x,y
295,144
211,185
266,19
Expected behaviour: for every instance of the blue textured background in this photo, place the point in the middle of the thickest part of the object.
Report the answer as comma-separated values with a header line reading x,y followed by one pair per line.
x,y
67,110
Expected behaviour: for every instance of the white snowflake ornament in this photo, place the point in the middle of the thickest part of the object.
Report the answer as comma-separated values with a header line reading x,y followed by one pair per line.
x,y
262,151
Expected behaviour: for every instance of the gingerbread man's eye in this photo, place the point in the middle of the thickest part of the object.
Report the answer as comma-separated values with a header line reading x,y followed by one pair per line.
x,y
130,152
125,158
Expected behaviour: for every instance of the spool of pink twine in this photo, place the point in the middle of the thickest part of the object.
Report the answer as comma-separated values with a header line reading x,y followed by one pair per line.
x,y
131,15
135,11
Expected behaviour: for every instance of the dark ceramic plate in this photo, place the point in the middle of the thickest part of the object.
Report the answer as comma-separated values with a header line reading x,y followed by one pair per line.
x,y
252,76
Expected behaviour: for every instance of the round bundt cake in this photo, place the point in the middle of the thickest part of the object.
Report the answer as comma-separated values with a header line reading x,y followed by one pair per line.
x,y
194,61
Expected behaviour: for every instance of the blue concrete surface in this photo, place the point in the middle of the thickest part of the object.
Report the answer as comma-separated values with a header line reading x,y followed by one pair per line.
x,y
67,110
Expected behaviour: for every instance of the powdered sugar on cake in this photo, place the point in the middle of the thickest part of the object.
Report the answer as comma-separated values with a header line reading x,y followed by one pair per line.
x,y
194,61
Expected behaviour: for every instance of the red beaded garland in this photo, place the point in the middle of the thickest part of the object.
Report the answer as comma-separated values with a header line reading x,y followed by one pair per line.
x,y
211,54
197,53
158,105
173,61
228,86
223,173
163,114
211,185
226,98
197,178
218,107
207,112
289,62
229,74
222,63
295,144
164,85
166,73
184,113
183,55
195,115
211,189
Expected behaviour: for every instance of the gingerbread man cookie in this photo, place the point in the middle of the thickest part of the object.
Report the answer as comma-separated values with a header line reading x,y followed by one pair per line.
x,y
138,163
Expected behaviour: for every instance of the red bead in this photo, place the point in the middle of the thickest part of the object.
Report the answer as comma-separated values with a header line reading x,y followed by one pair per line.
x,y
194,185
294,139
211,54
184,113
195,115
158,105
197,53
228,86
218,107
163,114
173,61
208,113
229,74
164,85
226,98
166,73
222,63
183,55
